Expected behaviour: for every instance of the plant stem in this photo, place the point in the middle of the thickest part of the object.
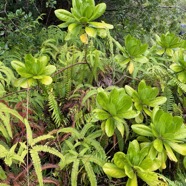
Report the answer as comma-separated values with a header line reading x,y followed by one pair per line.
x,y
27,158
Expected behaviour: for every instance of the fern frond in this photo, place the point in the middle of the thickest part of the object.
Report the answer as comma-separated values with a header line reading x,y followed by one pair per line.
x,y
168,105
95,134
6,77
71,130
94,159
4,132
51,150
6,128
69,158
69,144
90,172
28,132
74,172
4,108
37,165
41,138
85,129
97,146
53,106
182,86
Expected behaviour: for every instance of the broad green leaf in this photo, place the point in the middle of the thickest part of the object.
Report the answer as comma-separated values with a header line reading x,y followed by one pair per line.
x,y
129,171
101,114
182,76
26,83
24,73
158,145
142,85
29,61
132,181
157,101
142,130
120,160
103,100
178,124
74,28
133,150
91,32
109,127
63,15
179,148
100,25
46,80
89,11
17,64
112,170
120,127
170,153
114,96
150,164
151,178
124,104
98,11
176,67
129,114
44,60
180,134
50,69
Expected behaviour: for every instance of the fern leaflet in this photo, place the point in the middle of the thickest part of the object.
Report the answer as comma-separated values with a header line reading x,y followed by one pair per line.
x,y
45,148
37,165
41,138
74,173
90,172
53,106
168,105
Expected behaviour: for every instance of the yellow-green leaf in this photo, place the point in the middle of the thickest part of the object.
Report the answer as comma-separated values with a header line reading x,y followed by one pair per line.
x,y
91,31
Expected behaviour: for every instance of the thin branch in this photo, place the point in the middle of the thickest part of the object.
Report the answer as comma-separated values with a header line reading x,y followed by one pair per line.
x,y
70,66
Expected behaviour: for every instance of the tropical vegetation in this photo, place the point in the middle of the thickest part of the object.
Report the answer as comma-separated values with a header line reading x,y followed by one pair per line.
x,y
92,93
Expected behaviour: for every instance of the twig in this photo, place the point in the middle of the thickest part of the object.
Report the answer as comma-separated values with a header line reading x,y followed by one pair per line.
x,y
65,68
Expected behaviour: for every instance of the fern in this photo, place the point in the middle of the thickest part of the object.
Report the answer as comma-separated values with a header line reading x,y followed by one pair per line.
x,y
37,165
94,159
6,128
85,129
180,85
45,148
6,77
97,146
41,138
168,105
53,106
90,172
74,172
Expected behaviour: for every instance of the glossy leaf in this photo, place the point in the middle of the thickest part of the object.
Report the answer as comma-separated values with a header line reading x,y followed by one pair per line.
x,y
142,130
109,127
98,11
63,15
113,171
91,31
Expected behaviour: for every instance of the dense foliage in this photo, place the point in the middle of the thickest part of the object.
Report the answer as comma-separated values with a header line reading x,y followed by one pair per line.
x,y
92,93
